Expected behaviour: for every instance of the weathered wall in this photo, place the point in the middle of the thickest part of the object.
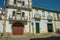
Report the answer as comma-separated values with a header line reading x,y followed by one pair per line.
x,y
1,26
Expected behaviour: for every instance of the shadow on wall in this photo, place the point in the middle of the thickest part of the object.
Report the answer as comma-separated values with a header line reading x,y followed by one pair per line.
x,y
48,38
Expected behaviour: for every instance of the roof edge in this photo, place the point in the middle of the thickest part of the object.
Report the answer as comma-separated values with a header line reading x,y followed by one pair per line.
x,y
45,9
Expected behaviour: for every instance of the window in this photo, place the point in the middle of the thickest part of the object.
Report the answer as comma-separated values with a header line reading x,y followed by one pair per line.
x,y
49,16
58,16
43,14
13,13
23,3
37,19
49,20
37,15
23,14
14,1
18,16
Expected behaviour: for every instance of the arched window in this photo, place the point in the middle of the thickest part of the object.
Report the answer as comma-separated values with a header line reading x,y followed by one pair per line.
x,y
13,13
14,1
37,17
43,13
23,14
23,3
49,17
18,16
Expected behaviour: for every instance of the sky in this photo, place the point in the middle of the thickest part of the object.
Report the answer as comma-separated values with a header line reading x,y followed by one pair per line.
x,y
49,4
2,3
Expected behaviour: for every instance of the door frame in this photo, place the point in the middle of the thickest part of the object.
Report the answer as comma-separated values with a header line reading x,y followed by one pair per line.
x,y
15,22
52,27
39,27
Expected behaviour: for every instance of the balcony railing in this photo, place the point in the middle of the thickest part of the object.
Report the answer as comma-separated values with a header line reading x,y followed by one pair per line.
x,y
25,18
10,3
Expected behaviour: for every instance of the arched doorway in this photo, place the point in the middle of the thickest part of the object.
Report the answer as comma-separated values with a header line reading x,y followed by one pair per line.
x,y
17,28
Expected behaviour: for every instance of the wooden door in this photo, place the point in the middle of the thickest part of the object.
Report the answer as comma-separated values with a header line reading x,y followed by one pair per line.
x,y
18,29
50,27
37,28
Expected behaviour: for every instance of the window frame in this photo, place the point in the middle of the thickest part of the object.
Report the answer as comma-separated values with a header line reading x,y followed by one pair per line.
x,y
19,15
23,3
58,17
14,1
13,13
23,14
43,13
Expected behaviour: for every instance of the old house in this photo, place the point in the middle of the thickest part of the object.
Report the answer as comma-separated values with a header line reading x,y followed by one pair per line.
x,y
20,18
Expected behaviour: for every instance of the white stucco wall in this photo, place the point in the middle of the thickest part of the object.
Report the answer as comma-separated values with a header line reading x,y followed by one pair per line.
x,y
1,26
57,24
10,12
8,27
26,28
43,23
26,13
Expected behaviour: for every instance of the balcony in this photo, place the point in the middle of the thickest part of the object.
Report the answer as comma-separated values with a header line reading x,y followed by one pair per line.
x,y
25,18
18,4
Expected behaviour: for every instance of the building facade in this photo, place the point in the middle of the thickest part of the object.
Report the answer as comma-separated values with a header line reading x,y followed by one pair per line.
x,y
20,18
46,19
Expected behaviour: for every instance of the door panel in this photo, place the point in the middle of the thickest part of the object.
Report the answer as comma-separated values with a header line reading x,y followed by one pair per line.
x,y
37,28
17,29
50,27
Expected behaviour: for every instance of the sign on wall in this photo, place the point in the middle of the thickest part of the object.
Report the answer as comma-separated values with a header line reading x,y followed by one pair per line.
x,y
32,23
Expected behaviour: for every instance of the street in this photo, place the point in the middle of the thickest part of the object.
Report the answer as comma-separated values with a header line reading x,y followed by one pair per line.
x,y
37,37
48,38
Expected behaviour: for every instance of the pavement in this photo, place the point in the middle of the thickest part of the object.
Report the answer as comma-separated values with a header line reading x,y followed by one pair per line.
x,y
52,36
